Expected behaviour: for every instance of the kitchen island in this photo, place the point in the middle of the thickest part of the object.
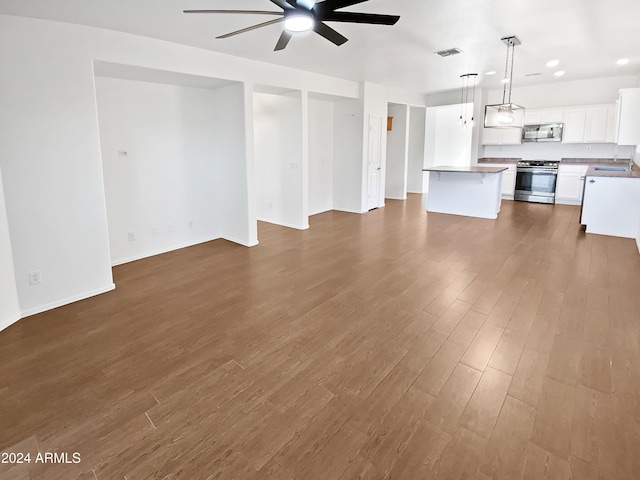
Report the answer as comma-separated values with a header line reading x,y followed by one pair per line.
x,y
611,204
468,191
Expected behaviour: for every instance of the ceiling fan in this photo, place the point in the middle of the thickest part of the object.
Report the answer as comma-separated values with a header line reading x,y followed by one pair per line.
x,y
302,15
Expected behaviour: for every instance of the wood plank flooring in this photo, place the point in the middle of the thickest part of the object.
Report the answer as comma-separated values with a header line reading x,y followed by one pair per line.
x,y
391,345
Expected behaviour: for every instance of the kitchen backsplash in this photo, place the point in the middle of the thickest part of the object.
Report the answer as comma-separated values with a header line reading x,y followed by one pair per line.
x,y
556,151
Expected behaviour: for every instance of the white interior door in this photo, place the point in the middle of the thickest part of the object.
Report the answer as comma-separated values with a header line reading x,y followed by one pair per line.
x,y
374,167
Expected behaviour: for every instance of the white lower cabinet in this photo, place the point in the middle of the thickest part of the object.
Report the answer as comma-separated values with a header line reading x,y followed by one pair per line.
x,y
508,179
612,206
570,184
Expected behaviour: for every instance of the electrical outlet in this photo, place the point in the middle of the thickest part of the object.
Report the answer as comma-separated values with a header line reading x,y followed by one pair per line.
x,y
131,236
294,165
269,205
35,277
190,223
123,153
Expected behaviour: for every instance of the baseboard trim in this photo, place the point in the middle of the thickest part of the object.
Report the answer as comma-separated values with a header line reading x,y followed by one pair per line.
x,y
346,210
396,198
153,253
283,224
66,301
564,201
241,242
638,243
10,321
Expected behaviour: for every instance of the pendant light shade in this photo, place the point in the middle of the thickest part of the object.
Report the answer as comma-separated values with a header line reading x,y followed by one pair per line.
x,y
506,114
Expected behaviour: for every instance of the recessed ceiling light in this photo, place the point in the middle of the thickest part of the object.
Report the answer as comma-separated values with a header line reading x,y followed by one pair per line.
x,y
492,72
623,61
505,80
559,73
553,63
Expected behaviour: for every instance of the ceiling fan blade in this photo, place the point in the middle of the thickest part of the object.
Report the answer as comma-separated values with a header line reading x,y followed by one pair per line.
x,y
336,4
252,12
283,41
282,4
254,27
329,33
353,17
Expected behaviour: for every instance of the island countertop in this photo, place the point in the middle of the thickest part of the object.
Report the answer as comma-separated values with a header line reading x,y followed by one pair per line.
x,y
465,169
592,172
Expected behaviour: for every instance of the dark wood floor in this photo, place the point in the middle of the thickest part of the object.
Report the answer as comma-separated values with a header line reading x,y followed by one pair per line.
x,y
394,345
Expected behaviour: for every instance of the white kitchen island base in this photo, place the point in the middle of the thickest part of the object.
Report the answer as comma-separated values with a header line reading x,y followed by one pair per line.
x,y
471,191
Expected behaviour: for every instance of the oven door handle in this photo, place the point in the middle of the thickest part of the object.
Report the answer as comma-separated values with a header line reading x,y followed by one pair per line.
x,y
536,170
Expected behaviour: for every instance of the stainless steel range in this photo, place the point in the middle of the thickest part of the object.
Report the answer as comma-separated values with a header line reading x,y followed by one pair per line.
x,y
536,181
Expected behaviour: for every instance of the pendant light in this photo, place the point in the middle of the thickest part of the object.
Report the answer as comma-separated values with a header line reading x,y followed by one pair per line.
x,y
467,92
506,114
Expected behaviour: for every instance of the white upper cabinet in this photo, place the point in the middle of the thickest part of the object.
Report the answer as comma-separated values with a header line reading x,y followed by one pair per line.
x,y
537,116
501,136
589,124
552,116
600,124
629,117
575,121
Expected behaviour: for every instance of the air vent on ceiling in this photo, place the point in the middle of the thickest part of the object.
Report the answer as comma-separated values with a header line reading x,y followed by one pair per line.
x,y
532,74
449,52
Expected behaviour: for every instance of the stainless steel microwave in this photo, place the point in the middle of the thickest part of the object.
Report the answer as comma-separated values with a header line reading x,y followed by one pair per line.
x,y
546,132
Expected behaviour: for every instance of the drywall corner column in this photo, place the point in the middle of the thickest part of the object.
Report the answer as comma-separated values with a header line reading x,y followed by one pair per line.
x,y
304,163
9,305
397,153
478,119
250,162
235,164
417,116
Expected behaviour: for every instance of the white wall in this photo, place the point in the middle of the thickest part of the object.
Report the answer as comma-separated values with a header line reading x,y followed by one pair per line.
x,y
9,305
347,154
417,118
278,156
558,94
51,148
321,145
397,153
165,190
447,142
49,134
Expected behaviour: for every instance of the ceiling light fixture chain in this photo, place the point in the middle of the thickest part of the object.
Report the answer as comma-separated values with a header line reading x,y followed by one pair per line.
x,y
513,54
467,90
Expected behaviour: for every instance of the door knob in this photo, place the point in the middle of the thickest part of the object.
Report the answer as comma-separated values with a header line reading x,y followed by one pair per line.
x,y
592,181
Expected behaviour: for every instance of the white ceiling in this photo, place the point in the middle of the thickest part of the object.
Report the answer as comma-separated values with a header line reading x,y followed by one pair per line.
x,y
587,36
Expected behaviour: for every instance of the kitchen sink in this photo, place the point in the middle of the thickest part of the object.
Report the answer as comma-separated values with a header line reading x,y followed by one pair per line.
x,y
612,169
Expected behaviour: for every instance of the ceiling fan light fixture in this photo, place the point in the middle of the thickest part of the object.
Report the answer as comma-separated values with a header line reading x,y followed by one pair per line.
x,y
298,22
